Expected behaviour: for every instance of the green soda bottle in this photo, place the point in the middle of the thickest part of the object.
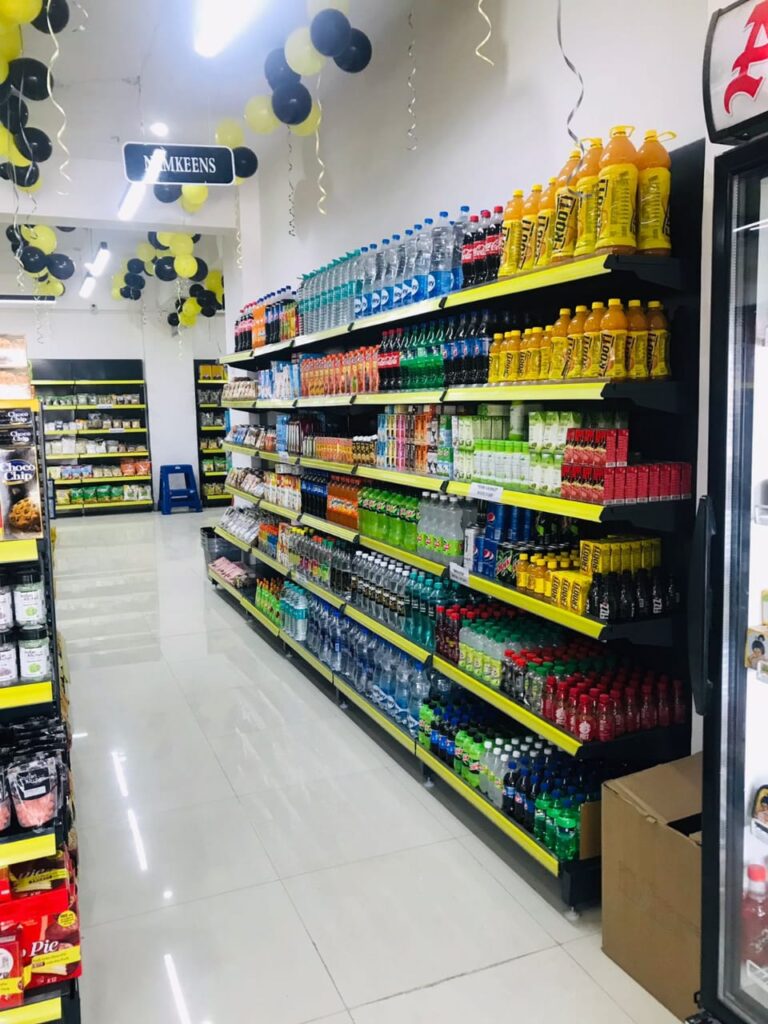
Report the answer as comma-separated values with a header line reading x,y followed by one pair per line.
x,y
553,812
567,840
426,717
462,738
541,810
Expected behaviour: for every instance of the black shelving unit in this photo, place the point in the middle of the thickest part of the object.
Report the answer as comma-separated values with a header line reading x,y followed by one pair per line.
x,y
77,390
212,421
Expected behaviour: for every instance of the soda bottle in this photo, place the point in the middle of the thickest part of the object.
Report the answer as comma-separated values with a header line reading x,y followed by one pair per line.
x,y
559,336
654,183
613,342
574,352
617,195
493,244
542,247
564,223
658,342
567,834
459,231
637,341
480,257
513,220
586,198
606,719
754,917
528,228
586,727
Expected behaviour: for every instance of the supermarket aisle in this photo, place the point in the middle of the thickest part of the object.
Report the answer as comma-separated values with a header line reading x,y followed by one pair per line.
x,y
250,854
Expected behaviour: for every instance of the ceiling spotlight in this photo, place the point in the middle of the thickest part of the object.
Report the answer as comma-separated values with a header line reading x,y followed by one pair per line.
x,y
86,289
101,259
219,22
159,128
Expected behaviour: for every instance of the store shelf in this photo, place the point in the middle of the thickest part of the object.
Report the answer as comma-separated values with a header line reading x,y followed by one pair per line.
x,y
330,467
104,382
85,506
91,408
216,497
107,430
260,617
323,401
16,849
242,494
265,351
226,535
25,695
342,532
212,472
390,635
87,481
509,707
220,581
218,426
385,723
401,398
321,592
40,1009
238,403
391,476
212,383
49,383
240,449
302,651
518,835
271,562
425,564
97,455
289,460
278,510
210,405
18,551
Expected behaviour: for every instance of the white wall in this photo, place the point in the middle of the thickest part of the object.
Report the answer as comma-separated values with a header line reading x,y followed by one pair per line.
x,y
168,370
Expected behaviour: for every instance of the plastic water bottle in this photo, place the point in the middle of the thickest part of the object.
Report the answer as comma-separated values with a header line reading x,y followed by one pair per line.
x,y
399,271
370,296
390,273
459,231
423,260
378,281
441,268
419,693
410,285
358,281
402,695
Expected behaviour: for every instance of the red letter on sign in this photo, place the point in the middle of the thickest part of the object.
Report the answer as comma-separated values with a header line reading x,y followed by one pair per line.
x,y
753,54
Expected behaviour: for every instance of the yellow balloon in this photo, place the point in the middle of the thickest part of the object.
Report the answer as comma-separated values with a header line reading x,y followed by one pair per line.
x,y
32,188
181,245
149,268
20,11
164,237
10,41
145,251
52,287
195,195
188,319
315,6
229,132
15,157
4,68
301,55
260,116
310,125
116,292
188,207
185,266
41,236
191,306
213,279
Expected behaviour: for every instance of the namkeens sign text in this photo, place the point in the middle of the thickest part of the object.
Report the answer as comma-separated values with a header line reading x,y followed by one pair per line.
x,y
181,165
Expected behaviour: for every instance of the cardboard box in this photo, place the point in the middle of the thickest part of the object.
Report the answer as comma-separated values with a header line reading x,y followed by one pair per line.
x,y
651,848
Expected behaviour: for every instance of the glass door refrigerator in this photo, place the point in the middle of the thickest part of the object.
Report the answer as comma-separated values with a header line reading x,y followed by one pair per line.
x,y
729,606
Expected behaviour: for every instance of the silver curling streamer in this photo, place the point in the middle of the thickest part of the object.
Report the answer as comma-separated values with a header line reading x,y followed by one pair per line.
x,y
321,173
60,133
572,67
291,190
480,46
412,139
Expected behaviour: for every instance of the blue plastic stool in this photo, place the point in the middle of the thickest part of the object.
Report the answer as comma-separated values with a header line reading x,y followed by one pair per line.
x,y
180,497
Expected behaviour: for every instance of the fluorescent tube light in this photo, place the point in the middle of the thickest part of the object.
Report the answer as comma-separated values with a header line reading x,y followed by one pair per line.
x,y
219,22
26,300
133,197
138,842
86,288
160,129
182,1012
98,264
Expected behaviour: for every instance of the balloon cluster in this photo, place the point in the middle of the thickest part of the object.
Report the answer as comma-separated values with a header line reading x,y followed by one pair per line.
x,y
329,35
204,299
166,255
23,148
34,246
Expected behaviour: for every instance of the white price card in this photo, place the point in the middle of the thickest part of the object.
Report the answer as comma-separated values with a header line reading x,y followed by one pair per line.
x,y
485,492
459,573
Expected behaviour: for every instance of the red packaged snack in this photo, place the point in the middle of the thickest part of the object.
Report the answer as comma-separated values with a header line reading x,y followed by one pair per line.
x,y
665,481
654,482
128,468
630,494
11,971
50,940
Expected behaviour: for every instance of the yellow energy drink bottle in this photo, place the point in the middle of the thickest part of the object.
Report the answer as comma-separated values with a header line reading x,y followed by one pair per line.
x,y
544,224
590,360
528,228
613,342
564,225
575,349
658,342
654,182
586,198
637,341
559,344
617,194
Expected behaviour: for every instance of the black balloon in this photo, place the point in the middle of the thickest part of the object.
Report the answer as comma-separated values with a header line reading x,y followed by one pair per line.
x,y
34,144
246,162
357,55
61,266
29,77
196,290
196,239
5,90
54,11
201,273
14,114
179,305
154,240
26,176
173,319
125,292
277,72
135,294
292,103
135,266
330,32
167,193
60,228
12,233
207,298
135,281
164,269
208,311
33,259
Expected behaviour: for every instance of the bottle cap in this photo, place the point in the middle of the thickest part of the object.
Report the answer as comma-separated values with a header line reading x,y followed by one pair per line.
x,y
614,303
655,304
756,873
634,304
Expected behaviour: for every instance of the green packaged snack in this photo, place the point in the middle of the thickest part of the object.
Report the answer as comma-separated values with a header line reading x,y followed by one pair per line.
x,y
76,495
116,492
102,492
89,495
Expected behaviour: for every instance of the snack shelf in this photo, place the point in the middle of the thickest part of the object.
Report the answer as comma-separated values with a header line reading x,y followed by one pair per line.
x,y
206,432
104,382
97,455
505,824
233,591
398,734
81,481
217,497
91,408
18,551
211,383
278,510
107,430
42,1009
84,506
289,460
219,426
239,403
342,532
390,635
226,535
209,405
240,449
25,695
215,472
16,849
302,651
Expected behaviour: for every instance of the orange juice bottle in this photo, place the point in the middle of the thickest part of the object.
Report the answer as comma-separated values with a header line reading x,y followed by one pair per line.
x,y
494,355
544,223
559,344
575,349
564,225
510,252
545,348
524,355
590,361
658,342
654,182
617,194
637,341
528,228
613,342
506,345
586,198
513,358
534,362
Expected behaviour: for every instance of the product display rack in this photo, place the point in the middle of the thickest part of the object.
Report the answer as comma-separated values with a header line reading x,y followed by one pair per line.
x,y
58,383
207,433
664,418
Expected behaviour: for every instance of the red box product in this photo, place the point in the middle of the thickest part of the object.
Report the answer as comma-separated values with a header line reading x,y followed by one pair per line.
x,y
643,482
665,481
11,971
630,494
675,479
654,481
616,447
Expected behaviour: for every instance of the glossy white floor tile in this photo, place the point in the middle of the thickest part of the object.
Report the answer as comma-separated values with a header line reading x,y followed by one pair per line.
x,y
250,853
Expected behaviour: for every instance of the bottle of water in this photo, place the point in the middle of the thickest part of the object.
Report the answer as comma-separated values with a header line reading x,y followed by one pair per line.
x,y
370,296
390,273
378,280
441,268
358,278
419,694
402,695
410,286
459,231
399,272
384,280
423,260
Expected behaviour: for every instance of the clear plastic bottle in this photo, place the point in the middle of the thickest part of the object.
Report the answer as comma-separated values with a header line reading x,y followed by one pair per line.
x,y
423,260
441,267
397,292
459,231
382,261
410,284
370,303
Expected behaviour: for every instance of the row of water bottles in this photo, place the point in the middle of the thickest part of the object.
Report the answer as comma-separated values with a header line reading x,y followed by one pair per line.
x,y
294,612
424,262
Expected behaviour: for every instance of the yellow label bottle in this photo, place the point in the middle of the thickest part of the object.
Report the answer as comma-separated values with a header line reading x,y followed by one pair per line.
x,y
524,355
613,342
575,350
637,341
559,344
564,224
617,195
586,199
545,350
504,357
544,224
658,342
513,358
493,359
528,228
510,258
590,360
534,365
654,184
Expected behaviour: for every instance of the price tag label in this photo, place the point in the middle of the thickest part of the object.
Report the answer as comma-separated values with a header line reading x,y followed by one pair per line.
x,y
459,574
485,492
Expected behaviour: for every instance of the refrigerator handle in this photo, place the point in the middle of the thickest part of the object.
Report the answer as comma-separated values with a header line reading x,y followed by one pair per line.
x,y
700,603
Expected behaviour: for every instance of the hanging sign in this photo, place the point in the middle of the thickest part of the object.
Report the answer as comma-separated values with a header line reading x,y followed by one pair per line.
x,y
181,165
735,72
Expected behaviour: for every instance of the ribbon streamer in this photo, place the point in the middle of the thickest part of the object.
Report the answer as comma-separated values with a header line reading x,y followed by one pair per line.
x,y
238,233
85,16
291,191
572,67
481,44
412,138
60,133
321,173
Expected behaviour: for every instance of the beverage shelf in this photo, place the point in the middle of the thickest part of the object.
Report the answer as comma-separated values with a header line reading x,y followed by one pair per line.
x,y
85,481
385,723
18,551
271,562
342,532
278,510
25,695
238,358
505,824
511,708
260,617
226,535
321,592
425,564
390,635
308,462
392,476
289,460
302,651
400,398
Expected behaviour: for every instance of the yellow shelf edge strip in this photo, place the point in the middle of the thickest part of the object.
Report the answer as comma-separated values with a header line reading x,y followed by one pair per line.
x,y
88,480
401,642
97,455
44,1011
18,551
302,651
15,851
271,562
24,695
578,623
404,556
321,592
373,713
539,502
342,532
259,616
221,532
